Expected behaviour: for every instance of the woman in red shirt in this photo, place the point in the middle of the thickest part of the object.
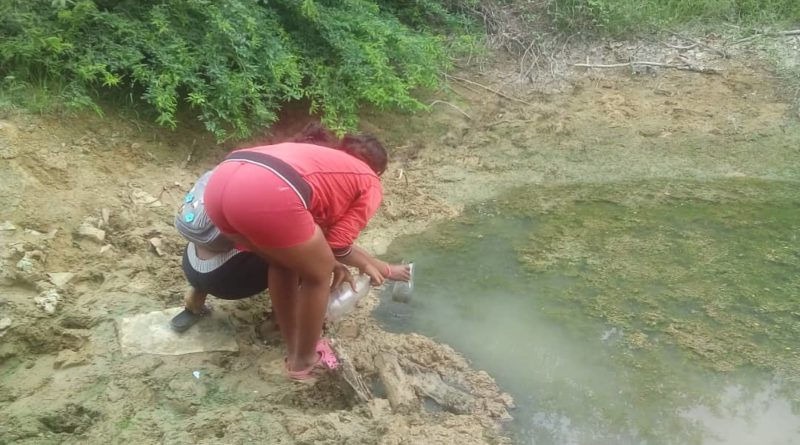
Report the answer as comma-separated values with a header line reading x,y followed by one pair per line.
x,y
301,206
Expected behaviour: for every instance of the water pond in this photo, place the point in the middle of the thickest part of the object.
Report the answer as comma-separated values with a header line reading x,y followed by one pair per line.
x,y
659,312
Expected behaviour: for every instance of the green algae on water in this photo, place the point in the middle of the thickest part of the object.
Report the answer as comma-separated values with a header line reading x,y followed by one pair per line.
x,y
615,309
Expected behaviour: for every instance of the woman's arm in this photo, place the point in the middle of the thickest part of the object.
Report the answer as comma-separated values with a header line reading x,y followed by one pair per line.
x,y
377,270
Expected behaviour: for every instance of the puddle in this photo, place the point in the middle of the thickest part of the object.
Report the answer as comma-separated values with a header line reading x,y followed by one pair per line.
x,y
635,313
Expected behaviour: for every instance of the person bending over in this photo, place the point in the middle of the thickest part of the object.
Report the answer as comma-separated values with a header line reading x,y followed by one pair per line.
x,y
300,206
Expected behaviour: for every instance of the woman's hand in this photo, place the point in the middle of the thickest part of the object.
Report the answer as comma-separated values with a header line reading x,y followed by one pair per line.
x,y
375,275
399,272
341,274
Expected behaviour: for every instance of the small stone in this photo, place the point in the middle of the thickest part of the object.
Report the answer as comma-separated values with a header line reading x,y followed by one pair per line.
x,y
92,233
105,248
156,243
25,264
5,322
141,197
7,226
105,214
48,301
59,279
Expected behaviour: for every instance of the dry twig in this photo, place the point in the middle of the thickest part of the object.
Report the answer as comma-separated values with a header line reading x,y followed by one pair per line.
x,y
499,93
682,48
794,32
451,105
684,67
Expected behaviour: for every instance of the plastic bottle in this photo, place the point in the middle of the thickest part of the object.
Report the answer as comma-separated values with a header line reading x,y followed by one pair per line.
x,y
343,299
402,290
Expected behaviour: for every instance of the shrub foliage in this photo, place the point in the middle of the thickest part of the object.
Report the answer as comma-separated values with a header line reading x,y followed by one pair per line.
x,y
232,62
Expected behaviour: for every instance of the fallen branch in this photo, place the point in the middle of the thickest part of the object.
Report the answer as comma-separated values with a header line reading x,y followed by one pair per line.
x,y
349,374
451,105
685,67
452,399
682,48
794,32
501,94
398,388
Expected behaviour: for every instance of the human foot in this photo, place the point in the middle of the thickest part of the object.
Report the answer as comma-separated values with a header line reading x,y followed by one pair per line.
x,y
326,360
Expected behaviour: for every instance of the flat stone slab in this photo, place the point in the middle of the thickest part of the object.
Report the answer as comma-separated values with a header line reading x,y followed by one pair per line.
x,y
151,334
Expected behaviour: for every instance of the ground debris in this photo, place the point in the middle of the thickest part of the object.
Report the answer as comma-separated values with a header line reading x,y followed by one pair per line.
x,y
68,358
60,279
7,226
155,242
88,231
398,387
142,198
48,301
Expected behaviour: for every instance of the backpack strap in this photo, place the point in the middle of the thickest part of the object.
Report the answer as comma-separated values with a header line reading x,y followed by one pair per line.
x,y
283,170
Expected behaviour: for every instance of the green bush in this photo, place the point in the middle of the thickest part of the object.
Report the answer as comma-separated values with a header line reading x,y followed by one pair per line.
x,y
232,62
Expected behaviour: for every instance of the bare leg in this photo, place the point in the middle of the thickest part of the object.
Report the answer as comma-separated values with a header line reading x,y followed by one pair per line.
x,y
194,300
312,262
283,293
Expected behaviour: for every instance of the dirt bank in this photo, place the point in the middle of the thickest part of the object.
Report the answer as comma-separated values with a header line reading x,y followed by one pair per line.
x,y
85,199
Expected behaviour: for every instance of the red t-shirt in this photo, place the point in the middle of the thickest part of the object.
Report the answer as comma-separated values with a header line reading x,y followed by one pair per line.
x,y
346,192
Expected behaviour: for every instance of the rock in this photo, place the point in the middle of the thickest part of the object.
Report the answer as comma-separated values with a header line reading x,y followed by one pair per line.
x,y
156,243
7,226
48,301
25,264
141,197
92,233
106,214
5,323
59,279
68,358
105,248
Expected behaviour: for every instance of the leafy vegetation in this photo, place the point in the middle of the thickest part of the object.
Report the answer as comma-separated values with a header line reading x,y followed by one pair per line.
x,y
232,63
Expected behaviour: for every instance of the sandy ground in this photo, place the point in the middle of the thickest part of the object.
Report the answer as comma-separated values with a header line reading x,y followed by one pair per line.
x,y
85,199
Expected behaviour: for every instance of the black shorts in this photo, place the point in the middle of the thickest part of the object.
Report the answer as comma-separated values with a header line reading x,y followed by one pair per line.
x,y
243,275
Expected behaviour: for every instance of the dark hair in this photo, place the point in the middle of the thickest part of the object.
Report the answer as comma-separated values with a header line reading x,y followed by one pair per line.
x,y
315,133
364,147
367,148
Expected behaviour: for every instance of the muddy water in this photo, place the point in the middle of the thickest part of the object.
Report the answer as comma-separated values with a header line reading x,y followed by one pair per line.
x,y
635,313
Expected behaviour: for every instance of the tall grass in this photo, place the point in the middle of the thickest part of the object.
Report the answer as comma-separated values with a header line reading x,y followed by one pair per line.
x,y
623,17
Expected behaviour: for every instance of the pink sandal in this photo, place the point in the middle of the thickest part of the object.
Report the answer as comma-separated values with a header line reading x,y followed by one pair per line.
x,y
326,361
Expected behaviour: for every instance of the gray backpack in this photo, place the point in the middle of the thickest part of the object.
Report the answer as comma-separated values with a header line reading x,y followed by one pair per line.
x,y
193,222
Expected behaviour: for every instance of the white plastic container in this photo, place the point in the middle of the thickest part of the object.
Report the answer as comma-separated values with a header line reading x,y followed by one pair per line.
x,y
343,299
402,290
